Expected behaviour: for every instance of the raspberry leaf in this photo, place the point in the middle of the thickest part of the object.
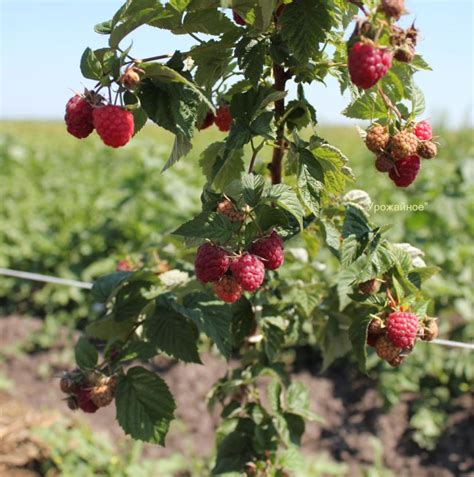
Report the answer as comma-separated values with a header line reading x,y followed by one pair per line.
x,y
144,405
85,353
358,336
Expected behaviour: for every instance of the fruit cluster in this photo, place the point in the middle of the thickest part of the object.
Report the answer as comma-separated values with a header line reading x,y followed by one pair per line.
x,y
368,60
394,337
222,119
233,272
88,391
84,113
399,154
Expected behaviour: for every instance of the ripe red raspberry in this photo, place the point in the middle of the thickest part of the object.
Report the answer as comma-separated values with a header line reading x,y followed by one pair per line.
x,y
211,263
377,138
207,121
269,250
385,349
405,171
238,19
249,272
427,150
114,125
223,118
393,8
85,402
423,131
367,64
78,117
383,163
403,144
402,328
227,289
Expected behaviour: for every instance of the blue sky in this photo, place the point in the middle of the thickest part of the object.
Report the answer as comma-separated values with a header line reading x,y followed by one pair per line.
x,y
42,41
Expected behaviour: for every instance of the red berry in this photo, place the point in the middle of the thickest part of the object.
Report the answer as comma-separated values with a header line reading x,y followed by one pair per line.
x,y
114,125
367,64
223,118
249,272
227,289
238,19
124,266
423,131
269,250
207,121
211,263
78,117
402,328
405,171
85,402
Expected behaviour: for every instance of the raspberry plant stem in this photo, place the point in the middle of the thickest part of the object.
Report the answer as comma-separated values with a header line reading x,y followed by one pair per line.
x,y
278,151
389,103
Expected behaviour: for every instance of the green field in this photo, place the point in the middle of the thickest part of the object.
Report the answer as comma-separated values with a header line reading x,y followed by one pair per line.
x,y
73,208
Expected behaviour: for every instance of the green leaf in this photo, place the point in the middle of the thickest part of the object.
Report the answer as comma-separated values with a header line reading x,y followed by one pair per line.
x,y
90,65
252,188
349,251
104,286
107,328
358,337
243,320
174,334
210,226
285,197
145,405
85,353
104,28
233,453
355,223
305,24
274,339
368,106
418,102
181,147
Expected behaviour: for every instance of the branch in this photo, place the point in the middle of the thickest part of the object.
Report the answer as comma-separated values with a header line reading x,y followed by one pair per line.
x,y
389,103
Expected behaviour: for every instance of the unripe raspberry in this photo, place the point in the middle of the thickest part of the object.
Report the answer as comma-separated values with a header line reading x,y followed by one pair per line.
x,y
114,125
405,171
383,163
130,79
84,401
211,263
269,250
238,19
227,208
430,330
405,53
124,266
370,287
207,121
385,349
68,384
227,289
393,8
403,144
377,138
72,403
367,64
104,393
374,330
396,361
249,272
223,118
423,131
78,117
402,328
427,150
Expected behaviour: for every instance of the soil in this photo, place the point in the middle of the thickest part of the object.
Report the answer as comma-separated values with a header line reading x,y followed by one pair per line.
x,y
348,402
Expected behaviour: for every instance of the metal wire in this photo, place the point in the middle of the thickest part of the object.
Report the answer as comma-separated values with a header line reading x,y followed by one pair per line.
x,y
38,277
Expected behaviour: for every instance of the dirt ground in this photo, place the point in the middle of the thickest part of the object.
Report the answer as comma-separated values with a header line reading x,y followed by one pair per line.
x,y
347,401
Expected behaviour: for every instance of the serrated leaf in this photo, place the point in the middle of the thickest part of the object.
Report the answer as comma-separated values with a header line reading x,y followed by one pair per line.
x,y
144,405
252,188
368,106
90,65
210,226
181,147
358,337
285,197
102,287
233,453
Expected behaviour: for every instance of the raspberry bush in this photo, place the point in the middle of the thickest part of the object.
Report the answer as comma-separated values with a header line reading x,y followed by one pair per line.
x,y
257,286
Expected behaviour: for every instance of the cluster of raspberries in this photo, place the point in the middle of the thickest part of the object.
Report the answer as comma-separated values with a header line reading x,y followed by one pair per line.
x,y
369,62
222,119
88,391
114,125
394,337
400,154
232,274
